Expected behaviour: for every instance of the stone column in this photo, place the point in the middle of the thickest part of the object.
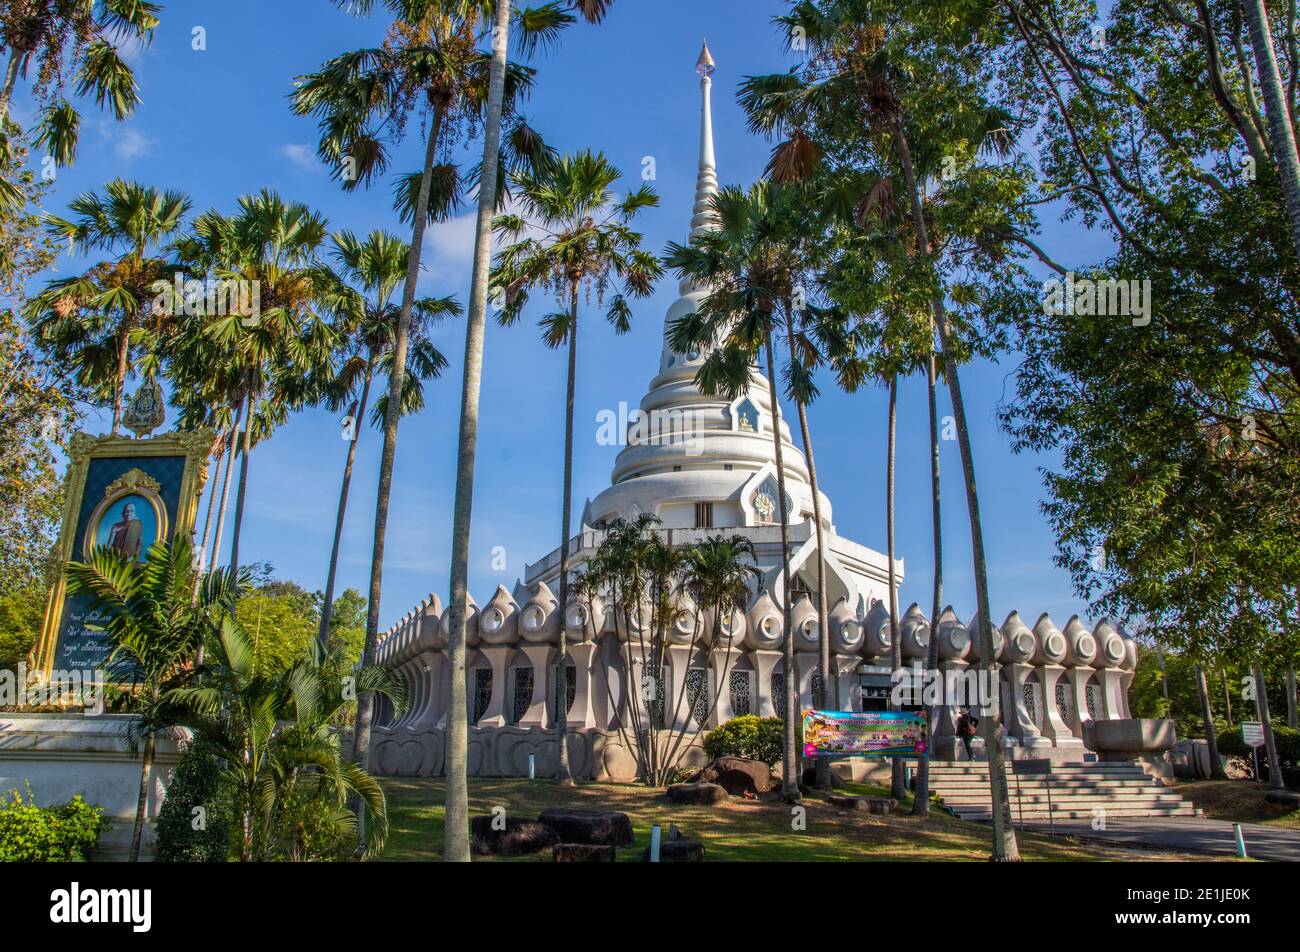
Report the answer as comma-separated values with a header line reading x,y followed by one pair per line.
x,y
581,714
764,663
1114,705
1016,719
721,663
805,663
432,697
845,671
1054,727
677,704
540,657
498,656
1079,698
943,732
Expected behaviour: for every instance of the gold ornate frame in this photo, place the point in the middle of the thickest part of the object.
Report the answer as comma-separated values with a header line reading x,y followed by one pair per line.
x,y
195,446
134,482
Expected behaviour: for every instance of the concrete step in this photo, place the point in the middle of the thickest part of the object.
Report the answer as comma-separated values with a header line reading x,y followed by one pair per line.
x,y
1186,810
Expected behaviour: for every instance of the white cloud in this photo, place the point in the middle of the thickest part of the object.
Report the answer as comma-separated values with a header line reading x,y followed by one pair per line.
x,y
128,143
302,156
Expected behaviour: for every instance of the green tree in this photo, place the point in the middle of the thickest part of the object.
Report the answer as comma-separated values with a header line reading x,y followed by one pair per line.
x,y
430,66
573,235
155,626
98,320
754,262
367,318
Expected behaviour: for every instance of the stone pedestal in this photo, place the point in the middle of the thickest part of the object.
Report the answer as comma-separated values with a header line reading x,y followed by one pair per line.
x,y
1016,715
846,675
721,663
805,663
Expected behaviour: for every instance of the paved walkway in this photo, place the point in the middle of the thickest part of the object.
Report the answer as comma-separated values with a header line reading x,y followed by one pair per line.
x,y
1184,834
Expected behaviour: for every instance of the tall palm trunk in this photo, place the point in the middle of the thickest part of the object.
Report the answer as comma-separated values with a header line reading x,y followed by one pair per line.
x,y
142,799
897,782
1227,698
822,775
242,492
392,416
10,81
1005,848
563,773
225,486
223,445
1270,738
790,747
358,417
119,388
921,795
1280,134
456,826
1207,717
1290,698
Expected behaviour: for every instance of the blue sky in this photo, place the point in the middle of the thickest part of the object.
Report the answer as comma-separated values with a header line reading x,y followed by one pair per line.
x,y
216,124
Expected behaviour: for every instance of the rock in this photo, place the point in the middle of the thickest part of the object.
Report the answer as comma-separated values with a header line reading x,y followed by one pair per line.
x,y
582,853
595,827
809,779
676,848
1288,798
705,794
737,775
518,838
865,804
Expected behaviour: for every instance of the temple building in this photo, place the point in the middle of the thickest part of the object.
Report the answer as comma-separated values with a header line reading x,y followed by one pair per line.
x,y
703,466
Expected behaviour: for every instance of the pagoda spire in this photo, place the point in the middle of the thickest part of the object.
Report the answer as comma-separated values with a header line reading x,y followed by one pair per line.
x,y
706,180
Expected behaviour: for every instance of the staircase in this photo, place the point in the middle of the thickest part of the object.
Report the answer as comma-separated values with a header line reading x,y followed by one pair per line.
x,y
1059,792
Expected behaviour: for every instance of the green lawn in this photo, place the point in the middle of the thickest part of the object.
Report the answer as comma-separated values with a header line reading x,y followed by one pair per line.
x,y
736,830
1239,801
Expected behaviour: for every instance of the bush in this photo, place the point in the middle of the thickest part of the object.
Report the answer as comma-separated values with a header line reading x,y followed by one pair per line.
x,y
196,782
750,736
1288,744
59,834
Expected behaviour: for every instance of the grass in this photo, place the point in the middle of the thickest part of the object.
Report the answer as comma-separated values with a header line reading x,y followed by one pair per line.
x,y
1238,801
733,831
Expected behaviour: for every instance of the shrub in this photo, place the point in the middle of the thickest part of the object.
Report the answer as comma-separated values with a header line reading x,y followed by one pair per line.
x,y
1288,744
196,782
746,736
58,834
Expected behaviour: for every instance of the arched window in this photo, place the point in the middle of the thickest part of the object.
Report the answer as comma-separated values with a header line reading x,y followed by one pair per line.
x,y
482,692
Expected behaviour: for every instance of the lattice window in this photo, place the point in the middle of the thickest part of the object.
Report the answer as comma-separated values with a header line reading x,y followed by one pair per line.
x,y
697,694
1090,696
1063,703
778,693
653,695
571,688
1030,694
482,691
817,698
742,692
523,694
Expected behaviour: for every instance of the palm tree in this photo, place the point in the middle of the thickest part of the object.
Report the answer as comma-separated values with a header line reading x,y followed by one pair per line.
x,y
751,261
429,65
267,358
538,26
1281,129
573,234
272,730
97,320
155,626
373,268
849,66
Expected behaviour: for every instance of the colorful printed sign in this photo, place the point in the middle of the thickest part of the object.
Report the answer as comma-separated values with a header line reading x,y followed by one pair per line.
x,y
864,734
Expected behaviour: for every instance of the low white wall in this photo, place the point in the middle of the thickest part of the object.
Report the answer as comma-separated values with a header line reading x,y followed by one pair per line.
x,y
61,755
